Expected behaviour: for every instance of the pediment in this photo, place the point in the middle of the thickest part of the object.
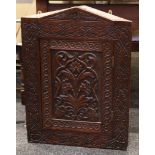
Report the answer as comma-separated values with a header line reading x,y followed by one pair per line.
x,y
75,14
83,12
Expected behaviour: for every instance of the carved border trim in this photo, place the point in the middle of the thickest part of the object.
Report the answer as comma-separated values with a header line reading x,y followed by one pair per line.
x,y
73,125
76,45
45,60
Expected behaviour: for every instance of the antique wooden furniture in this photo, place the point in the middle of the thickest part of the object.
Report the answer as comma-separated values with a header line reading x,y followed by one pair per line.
x,y
76,66
128,9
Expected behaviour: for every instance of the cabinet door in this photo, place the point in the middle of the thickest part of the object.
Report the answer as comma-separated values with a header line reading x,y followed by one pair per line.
x,y
76,89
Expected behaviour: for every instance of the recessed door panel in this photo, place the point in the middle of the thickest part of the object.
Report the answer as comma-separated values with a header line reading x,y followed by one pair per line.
x,y
73,80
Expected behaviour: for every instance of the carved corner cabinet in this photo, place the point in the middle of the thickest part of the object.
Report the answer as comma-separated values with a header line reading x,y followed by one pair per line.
x,y
76,66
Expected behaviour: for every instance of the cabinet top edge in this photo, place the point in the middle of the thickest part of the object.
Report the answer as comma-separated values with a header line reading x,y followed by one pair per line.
x,y
84,8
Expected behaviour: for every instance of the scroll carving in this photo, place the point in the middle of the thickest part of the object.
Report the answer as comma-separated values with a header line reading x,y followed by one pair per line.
x,y
75,86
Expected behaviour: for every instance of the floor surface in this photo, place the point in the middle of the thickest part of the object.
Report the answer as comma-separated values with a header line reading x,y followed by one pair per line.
x,y
25,148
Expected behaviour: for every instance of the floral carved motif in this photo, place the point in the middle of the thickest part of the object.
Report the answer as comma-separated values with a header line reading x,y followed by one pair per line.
x,y
76,86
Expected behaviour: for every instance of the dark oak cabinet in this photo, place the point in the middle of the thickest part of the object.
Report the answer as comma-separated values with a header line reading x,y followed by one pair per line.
x,y
76,67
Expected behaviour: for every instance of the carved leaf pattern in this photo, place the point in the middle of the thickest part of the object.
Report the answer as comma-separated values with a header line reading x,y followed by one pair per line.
x,y
76,84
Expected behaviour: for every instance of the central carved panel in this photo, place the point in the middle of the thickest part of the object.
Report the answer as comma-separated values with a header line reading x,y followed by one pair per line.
x,y
75,85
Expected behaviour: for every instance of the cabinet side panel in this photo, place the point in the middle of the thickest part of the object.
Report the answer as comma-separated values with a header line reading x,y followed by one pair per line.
x,y
31,70
121,85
